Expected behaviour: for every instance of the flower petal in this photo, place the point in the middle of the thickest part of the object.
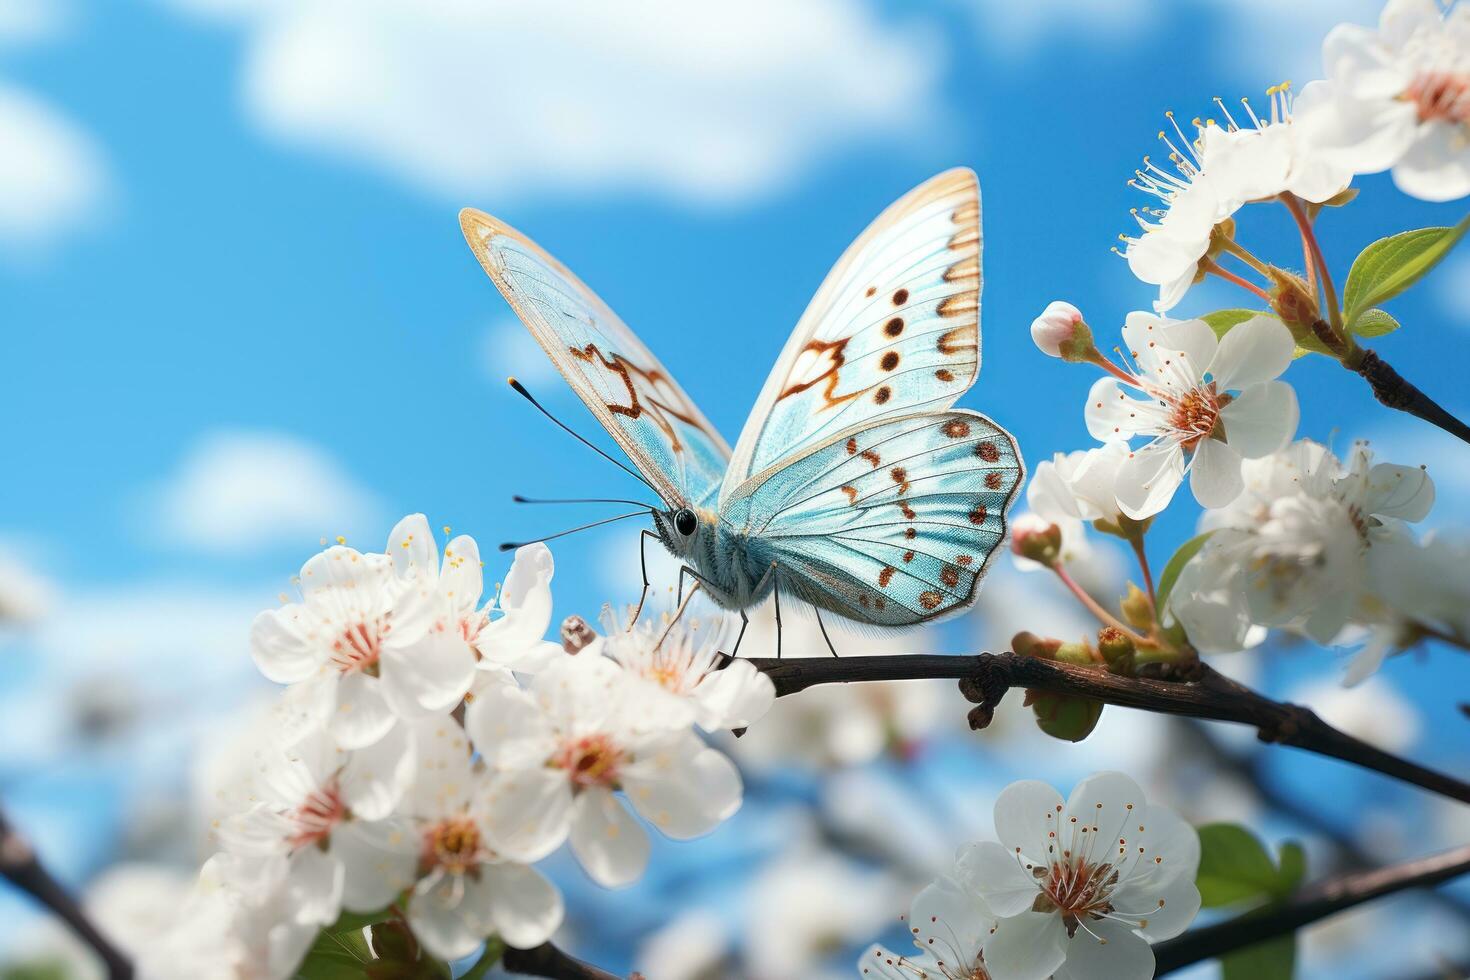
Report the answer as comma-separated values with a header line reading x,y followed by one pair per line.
x,y
607,841
1257,350
1404,492
1107,802
1026,815
952,913
1106,948
412,548
735,697
525,602
508,728
1029,946
443,922
314,888
1148,478
1165,908
1262,419
524,908
429,677
463,578
1436,166
280,648
1111,414
529,812
380,860
375,777
361,715
996,873
682,787
1214,475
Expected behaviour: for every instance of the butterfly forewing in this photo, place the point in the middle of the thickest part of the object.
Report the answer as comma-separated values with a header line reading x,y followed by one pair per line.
x,y
893,523
893,329
619,379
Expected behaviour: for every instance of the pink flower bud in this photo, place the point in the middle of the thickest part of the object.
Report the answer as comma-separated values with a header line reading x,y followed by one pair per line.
x,y
1036,538
1061,332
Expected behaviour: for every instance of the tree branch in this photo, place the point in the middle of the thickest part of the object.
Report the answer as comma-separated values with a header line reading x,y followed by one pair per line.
x,y
1314,902
20,866
547,960
1390,388
1204,693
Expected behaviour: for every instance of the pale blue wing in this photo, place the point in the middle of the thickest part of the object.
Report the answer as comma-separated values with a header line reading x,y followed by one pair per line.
x,y
894,329
609,368
890,524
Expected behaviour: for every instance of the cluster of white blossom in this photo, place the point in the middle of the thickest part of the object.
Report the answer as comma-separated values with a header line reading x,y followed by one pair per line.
x,y
428,749
1292,538
1074,890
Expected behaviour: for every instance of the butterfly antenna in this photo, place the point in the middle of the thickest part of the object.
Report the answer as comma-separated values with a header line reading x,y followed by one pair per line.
x,y
580,500
512,545
521,390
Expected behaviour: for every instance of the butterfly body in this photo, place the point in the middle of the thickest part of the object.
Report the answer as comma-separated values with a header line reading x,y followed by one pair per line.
x,y
855,486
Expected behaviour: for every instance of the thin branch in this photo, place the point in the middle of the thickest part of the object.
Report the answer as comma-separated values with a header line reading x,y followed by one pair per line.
x,y
20,866
1203,693
547,960
1314,902
1390,388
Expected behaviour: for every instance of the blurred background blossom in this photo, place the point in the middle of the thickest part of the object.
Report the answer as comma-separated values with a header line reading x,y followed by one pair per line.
x,y
239,319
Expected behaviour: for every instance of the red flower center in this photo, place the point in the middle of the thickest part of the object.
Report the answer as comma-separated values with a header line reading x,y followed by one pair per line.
x,y
591,761
1441,95
318,814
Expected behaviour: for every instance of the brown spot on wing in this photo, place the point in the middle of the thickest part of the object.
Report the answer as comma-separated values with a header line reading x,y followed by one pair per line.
x,y
944,374
852,445
871,290
852,494
956,428
993,480
894,327
908,556
863,599
885,576
977,514
872,457
986,450
960,304
879,602
910,533
949,575
889,361
901,477
964,559
908,512
930,600
900,297
882,395
960,340
968,268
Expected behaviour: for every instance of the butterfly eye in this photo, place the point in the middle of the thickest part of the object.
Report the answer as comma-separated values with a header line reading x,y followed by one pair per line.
x,y
685,522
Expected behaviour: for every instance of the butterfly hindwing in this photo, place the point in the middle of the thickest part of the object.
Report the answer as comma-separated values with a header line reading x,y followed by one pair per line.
x,y
893,329
893,523
609,368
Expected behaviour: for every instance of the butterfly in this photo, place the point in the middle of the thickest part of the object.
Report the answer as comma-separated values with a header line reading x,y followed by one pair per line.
x,y
855,486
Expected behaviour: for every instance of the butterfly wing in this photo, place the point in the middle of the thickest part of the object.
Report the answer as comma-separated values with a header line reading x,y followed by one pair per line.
x,y
892,523
609,368
893,329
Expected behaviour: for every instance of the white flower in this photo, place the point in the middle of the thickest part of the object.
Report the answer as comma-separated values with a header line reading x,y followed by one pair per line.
x,y
369,644
950,924
1080,485
1081,888
1398,97
682,664
1413,586
1056,327
562,749
1195,424
315,807
443,846
1292,551
1216,173
515,638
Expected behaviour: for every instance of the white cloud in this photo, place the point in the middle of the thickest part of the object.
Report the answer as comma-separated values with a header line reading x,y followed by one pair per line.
x,y
474,101
30,21
52,178
244,492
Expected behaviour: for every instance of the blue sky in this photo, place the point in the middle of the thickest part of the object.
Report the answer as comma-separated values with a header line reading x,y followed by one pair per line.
x,y
248,319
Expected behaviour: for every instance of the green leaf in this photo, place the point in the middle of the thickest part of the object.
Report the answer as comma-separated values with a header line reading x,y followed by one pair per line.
x,y
1221,321
336,956
1391,265
1293,861
1176,564
357,921
1274,959
1233,866
494,949
1374,323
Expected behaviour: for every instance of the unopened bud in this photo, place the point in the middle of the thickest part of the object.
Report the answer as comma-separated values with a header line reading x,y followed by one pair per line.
x,y
1037,539
1138,611
1293,302
576,635
1116,648
1063,716
1028,644
1061,332
1079,654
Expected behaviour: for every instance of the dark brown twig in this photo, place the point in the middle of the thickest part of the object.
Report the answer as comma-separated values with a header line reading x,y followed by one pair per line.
x,y
20,866
1390,388
1207,694
547,960
1314,902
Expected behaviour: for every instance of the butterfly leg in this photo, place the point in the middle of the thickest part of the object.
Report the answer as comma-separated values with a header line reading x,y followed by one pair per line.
x,y
777,592
745,620
823,627
643,537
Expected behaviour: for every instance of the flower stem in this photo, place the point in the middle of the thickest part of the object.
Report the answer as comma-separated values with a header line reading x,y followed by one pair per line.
x,y
1314,249
1215,269
1094,607
1148,576
1240,252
